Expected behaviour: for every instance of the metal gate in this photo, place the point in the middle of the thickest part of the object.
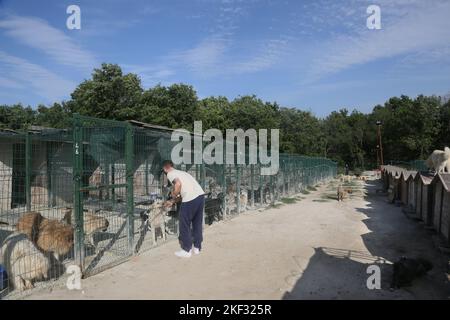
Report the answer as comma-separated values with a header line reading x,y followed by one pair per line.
x,y
103,193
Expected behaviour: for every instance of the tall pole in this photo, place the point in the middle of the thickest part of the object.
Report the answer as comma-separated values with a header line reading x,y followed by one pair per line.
x,y
379,142
378,153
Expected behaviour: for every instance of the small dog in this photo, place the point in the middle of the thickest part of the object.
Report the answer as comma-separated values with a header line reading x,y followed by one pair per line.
x,y
49,235
213,208
243,199
439,160
24,263
408,269
155,217
341,193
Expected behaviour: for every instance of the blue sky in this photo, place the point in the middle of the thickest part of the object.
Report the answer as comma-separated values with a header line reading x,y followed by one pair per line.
x,y
313,55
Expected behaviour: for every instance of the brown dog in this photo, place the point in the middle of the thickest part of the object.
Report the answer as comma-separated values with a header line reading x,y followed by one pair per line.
x,y
48,235
341,193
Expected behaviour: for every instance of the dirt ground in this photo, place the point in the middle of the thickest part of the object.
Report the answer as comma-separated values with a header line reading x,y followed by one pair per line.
x,y
315,248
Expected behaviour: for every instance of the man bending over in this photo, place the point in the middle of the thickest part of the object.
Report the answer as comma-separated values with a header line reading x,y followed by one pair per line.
x,y
191,210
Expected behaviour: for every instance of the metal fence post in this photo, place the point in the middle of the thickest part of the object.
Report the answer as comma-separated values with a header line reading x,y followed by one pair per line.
x,y
113,181
238,189
78,195
252,184
147,190
261,193
28,170
272,190
224,191
49,171
203,184
107,180
129,163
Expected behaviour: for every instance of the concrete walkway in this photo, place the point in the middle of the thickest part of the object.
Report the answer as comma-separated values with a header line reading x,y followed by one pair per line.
x,y
316,248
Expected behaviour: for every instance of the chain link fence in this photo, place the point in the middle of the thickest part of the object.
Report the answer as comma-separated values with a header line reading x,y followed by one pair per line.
x,y
90,196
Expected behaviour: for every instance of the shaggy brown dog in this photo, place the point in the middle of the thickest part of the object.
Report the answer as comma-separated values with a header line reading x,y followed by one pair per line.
x,y
29,223
48,235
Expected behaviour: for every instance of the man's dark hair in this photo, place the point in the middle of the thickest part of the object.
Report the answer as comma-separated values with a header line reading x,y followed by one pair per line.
x,y
167,163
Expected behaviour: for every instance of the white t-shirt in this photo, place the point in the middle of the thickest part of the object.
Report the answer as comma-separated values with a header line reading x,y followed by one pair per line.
x,y
190,189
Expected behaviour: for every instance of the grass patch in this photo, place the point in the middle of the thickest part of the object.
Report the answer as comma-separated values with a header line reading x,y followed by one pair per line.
x,y
274,206
311,188
305,192
329,197
321,200
289,200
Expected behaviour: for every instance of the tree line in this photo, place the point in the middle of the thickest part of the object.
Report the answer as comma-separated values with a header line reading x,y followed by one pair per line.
x,y
411,127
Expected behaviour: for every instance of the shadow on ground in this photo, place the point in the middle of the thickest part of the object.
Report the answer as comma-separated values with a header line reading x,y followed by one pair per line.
x,y
338,273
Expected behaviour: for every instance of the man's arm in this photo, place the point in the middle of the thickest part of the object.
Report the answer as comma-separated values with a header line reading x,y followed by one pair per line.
x,y
176,188
175,194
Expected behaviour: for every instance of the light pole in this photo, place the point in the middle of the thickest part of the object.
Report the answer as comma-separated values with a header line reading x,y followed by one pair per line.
x,y
380,145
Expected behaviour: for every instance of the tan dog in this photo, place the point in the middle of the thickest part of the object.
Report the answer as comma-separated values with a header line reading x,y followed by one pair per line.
x,y
341,193
157,219
49,235
23,261
243,199
92,224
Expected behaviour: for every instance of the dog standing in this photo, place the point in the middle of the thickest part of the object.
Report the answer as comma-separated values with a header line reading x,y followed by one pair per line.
x,y
439,160
92,224
341,193
155,217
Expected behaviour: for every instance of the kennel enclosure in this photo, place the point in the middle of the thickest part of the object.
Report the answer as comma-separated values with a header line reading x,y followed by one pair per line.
x,y
110,171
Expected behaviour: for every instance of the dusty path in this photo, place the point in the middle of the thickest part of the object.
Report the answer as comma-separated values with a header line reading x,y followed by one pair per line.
x,y
313,249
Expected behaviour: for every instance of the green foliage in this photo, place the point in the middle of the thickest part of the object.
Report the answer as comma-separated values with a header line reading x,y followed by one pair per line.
x,y
56,116
411,128
175,106
16,116
109,94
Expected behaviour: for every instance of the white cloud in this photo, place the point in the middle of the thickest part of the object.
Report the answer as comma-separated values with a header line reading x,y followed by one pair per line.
x,y
19,73
270,53
415,28
205,58
150,75
38,34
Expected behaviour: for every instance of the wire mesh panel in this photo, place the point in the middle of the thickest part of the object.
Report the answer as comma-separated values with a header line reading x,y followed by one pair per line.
x,y
214,193
152,224
103,209
35,180
92,195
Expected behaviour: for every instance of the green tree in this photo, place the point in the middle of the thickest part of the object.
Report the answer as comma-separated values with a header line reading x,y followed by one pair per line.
x,y
109,94
56,116
301,132
175,106
16,116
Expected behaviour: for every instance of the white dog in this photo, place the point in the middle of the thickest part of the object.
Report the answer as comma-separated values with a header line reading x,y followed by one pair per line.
x,y
439,160
23,261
